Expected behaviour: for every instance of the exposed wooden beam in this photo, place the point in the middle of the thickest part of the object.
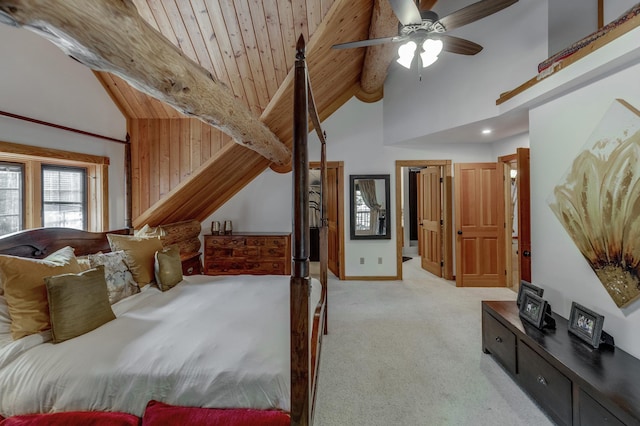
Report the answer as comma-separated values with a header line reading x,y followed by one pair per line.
x,y
110,35
384,23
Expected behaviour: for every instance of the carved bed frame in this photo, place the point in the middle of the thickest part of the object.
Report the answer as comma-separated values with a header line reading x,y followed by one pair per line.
x,y
305,353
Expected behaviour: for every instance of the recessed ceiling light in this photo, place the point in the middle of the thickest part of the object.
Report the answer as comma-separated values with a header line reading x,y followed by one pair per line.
x,y
486,131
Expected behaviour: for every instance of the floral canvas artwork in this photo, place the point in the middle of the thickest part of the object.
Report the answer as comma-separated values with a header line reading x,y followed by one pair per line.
x,y
598,202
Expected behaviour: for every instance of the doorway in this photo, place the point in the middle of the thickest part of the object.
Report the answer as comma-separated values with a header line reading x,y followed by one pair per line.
x,y
334,194
433,206
517,215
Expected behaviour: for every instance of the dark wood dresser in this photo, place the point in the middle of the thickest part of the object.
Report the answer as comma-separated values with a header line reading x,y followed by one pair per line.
x,y
572,382
247,253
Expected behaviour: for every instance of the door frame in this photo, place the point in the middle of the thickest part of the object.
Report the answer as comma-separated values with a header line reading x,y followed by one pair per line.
x,y
339,166
447,218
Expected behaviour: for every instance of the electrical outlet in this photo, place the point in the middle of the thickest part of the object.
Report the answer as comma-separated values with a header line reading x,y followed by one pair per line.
x,y
379,261
362,260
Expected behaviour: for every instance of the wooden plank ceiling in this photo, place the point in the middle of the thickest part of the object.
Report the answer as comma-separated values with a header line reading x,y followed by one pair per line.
x,y
249,45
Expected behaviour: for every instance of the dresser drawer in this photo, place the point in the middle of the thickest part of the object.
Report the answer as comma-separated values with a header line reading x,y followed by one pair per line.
x,y
593,414
267,241
499,341
547,386
224,241
191,265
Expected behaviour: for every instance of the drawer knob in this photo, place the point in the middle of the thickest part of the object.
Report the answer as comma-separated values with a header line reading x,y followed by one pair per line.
x,y
499,339
542,381
190,270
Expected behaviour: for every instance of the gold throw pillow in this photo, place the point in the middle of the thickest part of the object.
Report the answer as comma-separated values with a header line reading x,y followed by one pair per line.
x,y
168,268
140,254
23,282
78,303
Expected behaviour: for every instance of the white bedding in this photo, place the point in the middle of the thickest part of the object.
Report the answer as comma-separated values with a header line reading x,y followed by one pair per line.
x,y
209,342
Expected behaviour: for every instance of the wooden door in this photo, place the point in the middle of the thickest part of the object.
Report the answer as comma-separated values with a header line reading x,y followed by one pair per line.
x,y
430,224
332,220
479,205
524,213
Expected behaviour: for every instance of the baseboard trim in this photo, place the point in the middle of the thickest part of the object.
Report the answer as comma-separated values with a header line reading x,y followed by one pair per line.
x,y
373,278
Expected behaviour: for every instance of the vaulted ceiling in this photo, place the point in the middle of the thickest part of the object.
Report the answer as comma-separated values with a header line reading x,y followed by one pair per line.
x,y
246,45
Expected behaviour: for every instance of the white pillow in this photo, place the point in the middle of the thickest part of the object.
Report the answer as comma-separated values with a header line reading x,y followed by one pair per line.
x,y
120,282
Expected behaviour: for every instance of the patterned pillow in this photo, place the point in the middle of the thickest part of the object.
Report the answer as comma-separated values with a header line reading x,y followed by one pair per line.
x,y
120,282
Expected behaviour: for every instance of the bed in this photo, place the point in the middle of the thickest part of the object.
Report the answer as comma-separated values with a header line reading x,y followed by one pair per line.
x,y
237,342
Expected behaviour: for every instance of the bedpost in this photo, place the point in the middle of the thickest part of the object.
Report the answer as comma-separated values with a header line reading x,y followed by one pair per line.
x,y
300,282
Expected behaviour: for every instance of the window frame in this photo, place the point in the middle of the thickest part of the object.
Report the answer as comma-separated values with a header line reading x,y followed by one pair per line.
x,y
33,157
22,189
85,177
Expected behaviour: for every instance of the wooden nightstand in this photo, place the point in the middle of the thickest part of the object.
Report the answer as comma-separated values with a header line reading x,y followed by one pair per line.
x,y
191,264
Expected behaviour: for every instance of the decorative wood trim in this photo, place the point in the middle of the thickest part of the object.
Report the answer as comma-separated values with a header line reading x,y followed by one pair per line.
x,y
58,126
600,13
25,151
373,278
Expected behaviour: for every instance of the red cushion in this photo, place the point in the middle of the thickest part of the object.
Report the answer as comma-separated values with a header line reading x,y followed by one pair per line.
x,y
73,418
161,414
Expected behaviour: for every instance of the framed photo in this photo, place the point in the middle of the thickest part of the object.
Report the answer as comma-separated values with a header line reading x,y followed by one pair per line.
x,y
586,324
527,286
533,309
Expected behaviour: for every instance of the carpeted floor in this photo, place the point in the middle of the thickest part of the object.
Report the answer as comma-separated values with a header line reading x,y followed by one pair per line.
x,y
409,353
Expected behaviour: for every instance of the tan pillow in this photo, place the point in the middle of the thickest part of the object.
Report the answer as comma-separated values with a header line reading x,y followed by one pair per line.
x,y
24,289
78,303
140,254
168,268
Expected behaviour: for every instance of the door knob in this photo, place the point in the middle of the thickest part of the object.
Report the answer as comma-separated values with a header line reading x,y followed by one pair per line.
x,y
526,253
459,232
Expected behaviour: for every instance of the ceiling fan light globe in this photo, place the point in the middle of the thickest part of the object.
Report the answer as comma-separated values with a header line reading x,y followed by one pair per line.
x,y
406,52
427,59
432,47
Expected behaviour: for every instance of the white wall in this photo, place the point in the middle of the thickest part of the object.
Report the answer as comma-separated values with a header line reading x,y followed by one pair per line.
x,y
509,145
37,80
614,8
569,21
460,89
354,136
558,131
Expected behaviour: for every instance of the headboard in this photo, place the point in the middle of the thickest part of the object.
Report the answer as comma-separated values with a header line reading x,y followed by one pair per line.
x,y
41,242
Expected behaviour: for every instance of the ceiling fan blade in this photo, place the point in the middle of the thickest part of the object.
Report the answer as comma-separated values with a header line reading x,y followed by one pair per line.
x,y
473,12
459,45
406,11
369,42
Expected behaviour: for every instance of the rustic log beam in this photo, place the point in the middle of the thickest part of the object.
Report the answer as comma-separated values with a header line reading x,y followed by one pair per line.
x,y
384,23
110,35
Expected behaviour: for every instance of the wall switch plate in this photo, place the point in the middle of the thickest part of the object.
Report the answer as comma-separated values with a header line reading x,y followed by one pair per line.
x,y
379,261
362,260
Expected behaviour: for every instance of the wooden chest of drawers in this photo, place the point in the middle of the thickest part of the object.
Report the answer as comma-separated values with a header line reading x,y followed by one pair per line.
x,y
247,253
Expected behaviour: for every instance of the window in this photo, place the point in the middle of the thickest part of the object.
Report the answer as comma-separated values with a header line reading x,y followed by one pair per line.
x,y
50,187
64,197
363,213
11,197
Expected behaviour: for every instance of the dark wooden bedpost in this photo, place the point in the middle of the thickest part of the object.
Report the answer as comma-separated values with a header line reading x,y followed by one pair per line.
x,y
300,282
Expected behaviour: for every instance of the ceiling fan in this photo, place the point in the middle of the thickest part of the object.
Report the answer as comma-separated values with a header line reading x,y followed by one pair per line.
x,y
425,30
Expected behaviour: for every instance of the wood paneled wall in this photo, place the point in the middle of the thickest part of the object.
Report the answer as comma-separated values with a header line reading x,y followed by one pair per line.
x,y
164,152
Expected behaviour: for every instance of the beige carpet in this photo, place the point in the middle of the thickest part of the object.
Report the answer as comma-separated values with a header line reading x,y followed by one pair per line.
x,y
409,353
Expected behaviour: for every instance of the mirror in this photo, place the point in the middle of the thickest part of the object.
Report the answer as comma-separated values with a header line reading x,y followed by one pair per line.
x,y
370,207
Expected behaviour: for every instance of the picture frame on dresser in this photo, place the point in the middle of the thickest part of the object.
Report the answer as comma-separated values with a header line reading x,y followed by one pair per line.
x,y
533,308
527,286
587,325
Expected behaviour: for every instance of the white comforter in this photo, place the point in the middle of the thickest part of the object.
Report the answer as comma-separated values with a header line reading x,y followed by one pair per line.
x,y
209,342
